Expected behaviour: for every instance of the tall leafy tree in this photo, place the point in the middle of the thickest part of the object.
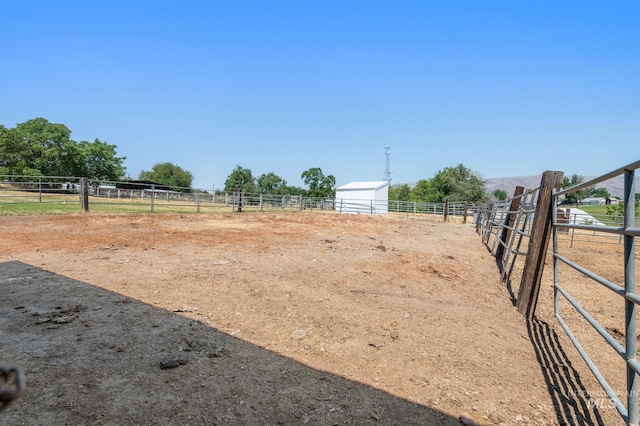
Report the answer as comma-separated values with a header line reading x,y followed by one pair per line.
x,y
399,192
600,193
168,174
500,194
457,183
320,186
38,147
271,183
13,152
576,196
404,192
100,161
422,191
240,179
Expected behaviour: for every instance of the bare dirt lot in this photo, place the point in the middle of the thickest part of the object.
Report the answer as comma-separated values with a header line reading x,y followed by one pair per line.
x,y
292,318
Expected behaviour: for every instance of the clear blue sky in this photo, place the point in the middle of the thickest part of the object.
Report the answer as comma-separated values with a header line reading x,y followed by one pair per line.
x,y
507,88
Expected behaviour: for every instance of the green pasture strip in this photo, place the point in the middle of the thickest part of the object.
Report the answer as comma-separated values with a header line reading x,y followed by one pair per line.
x,y
599,213
594,210
35,208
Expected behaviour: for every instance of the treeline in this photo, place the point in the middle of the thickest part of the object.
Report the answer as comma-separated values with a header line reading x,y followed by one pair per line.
x,y
456,183
40,148
577,196
242,179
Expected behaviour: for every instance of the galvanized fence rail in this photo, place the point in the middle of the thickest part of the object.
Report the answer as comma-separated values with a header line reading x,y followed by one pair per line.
x,y
507,230
627,291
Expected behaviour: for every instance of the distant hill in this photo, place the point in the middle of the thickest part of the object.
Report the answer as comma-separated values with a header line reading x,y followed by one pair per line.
x,y
615,186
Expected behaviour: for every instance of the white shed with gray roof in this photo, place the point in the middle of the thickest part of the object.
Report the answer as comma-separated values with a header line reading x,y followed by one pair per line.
x,y
363,197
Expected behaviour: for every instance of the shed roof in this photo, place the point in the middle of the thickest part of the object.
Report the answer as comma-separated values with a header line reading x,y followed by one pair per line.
x,y
364,185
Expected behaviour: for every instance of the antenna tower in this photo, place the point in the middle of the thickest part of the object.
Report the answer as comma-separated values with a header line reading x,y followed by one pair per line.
x,y
387,169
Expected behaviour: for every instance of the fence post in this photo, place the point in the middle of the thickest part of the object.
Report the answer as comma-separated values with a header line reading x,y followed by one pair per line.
x,y
84,194
446,210
260,202
538,244
40,189
629,222
153,197
479,213
240,201
198,202
464,214
508,223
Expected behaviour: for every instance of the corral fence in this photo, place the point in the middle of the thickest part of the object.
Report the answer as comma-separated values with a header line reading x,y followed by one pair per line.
x,y
68,194
522,227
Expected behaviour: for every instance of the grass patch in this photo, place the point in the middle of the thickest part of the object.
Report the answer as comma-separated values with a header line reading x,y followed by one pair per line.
x,y
36,208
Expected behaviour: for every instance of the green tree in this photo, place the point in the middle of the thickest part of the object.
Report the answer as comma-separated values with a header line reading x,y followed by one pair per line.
x,y
500,194
576,196
457,183
168,174
403,193
320,186
600,193
617,210
271,183
240,179
13,152
421,192
45,147
101,161
294,190
38,147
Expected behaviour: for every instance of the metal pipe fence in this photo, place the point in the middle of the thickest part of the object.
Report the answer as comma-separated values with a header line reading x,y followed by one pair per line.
x,y
39,189
129,197
627,231
505,231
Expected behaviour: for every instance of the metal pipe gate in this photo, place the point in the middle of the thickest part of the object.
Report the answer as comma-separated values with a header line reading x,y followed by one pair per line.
x,y
628,231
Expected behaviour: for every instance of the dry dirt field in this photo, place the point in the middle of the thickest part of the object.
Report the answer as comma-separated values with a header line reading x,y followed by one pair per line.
x,y
291,319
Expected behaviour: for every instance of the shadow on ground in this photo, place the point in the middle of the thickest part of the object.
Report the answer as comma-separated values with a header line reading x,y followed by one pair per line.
x,y
571,400
94,357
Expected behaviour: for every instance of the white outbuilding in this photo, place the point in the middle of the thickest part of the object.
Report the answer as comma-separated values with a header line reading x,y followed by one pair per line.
x,y
363,197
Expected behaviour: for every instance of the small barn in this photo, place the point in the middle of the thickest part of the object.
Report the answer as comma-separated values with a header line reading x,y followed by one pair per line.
x,y
363,197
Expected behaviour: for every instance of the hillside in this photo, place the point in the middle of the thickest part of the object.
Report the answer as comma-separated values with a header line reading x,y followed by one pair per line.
x,y
615,186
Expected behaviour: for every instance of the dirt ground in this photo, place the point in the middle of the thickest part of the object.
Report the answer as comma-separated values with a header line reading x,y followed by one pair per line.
x,y
293,318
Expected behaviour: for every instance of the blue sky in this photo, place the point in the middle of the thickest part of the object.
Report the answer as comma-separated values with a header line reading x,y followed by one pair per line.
x,y
507,88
